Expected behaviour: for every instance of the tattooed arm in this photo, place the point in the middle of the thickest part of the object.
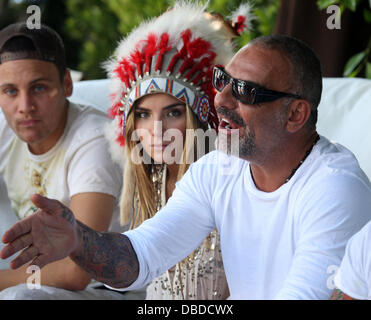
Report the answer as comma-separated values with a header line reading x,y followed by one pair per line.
x,y
108,257
53,233
339,295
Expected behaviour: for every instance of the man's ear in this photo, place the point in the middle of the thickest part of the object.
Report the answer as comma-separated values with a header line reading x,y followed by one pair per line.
x,y
67,83
299,112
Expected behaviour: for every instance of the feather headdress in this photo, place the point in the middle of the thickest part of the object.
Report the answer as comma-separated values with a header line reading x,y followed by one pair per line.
x,y
173,53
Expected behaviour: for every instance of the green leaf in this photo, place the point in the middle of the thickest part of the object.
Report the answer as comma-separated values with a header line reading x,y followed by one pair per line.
x,y
323,4
368,70
356,71
351,4
353,62
367,15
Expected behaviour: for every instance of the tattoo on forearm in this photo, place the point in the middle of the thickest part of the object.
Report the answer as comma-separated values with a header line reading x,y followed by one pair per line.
x,y
107,257
68,215
339,295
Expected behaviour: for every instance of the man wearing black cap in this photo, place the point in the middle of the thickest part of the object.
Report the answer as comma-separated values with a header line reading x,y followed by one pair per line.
x,y
51,147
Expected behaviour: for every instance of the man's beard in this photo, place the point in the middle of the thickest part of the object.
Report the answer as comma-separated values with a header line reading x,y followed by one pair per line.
x,y
247,145
243,146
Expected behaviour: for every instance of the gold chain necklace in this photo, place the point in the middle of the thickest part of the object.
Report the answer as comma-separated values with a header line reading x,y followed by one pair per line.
x,y
300,162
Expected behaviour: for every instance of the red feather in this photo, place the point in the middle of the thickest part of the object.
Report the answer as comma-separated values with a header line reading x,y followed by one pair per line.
x,y
113,111
137,59
150,51
240,24
186,36
185,65
195,49
128,67
120,72
121,140
163,47
205,62
198,47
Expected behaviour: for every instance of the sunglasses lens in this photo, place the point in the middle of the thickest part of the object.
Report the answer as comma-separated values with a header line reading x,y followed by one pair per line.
x,y
220,79
243,92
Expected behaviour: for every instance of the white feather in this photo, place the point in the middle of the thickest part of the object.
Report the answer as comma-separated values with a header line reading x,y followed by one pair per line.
x,y
245,10
116,150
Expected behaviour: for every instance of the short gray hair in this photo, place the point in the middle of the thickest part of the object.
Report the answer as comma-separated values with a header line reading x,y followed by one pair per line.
x,y
306,74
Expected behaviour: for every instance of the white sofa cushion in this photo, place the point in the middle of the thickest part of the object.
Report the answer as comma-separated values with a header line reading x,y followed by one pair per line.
x,y
344,116
92,92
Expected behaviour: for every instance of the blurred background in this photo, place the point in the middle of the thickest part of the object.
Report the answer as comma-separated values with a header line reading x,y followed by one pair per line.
x,y
91,28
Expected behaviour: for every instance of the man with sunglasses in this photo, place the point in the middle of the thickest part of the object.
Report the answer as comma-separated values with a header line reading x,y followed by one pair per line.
x,y
285,206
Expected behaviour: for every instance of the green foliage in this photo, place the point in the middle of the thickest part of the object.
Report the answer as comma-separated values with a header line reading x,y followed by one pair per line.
x,y
99,24
266,14
360,61
131,13
353,64
368,70
367,15
323,4
343,4
95,28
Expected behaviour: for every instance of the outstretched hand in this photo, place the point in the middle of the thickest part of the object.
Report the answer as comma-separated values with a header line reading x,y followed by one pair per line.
x,y
46,236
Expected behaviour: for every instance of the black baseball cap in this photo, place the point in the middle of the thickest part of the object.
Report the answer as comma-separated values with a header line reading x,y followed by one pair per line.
x,y
47,43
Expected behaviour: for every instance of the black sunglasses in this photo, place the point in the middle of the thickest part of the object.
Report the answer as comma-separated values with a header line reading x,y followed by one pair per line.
x,y
245,91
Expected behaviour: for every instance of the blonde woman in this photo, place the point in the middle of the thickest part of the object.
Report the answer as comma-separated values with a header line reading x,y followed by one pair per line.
x,y
162,78
148,187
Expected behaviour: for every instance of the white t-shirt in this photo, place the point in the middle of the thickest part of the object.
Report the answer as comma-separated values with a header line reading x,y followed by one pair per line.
x,y
354,275
78,163
275,245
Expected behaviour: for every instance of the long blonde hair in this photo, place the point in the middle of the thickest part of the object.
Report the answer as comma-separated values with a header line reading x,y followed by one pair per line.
x,y
137,202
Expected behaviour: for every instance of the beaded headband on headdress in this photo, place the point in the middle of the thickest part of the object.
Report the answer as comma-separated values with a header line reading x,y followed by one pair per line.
x,y
173,54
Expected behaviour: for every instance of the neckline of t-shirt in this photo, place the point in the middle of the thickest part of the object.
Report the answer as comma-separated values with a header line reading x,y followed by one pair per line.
x,y
47,155
276,193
